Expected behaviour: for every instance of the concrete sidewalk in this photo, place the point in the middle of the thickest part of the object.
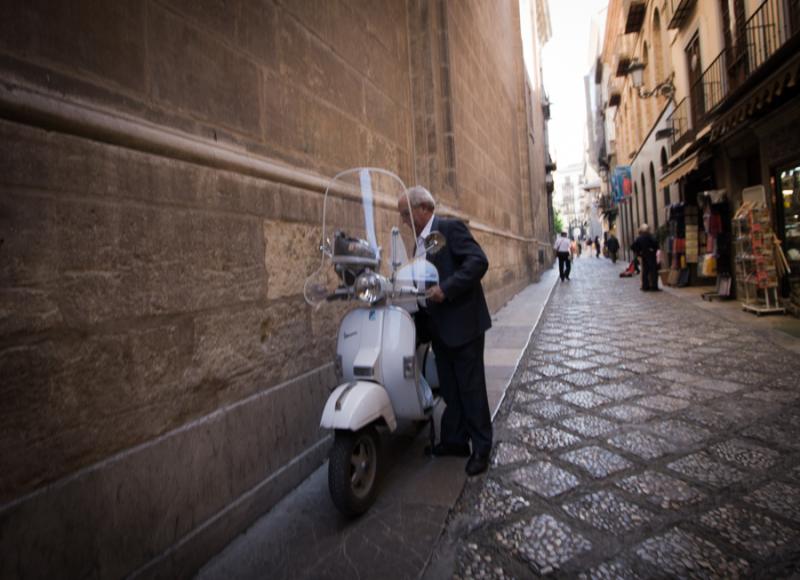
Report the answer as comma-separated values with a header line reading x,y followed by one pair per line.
x,y
305,537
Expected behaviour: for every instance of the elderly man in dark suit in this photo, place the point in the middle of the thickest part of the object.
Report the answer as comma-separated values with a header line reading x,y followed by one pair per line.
x,y
456,319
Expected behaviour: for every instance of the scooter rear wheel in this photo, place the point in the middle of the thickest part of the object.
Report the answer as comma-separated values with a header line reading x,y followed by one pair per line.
x,y
353,470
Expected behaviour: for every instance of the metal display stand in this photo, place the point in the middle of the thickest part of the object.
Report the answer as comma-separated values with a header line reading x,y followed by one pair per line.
x,y
723,289
756,273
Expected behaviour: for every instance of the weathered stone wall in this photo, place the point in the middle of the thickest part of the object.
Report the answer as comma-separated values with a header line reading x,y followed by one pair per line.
x,y
486,91
160,197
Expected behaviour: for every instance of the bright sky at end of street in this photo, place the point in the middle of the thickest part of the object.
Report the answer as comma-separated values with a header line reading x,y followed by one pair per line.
x,y
565,61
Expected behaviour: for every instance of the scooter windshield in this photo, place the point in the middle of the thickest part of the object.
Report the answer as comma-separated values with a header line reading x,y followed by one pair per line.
x,y
361,208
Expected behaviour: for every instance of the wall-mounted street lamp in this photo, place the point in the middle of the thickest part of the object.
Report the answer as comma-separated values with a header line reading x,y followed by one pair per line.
x,y
664,88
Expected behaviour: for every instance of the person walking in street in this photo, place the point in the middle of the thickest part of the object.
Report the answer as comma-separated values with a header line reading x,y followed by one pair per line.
x,y
456,318
612,244
645,247
597,246
563,249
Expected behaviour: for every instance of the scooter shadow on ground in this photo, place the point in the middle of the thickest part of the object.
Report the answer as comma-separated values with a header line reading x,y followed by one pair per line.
x,y
411,474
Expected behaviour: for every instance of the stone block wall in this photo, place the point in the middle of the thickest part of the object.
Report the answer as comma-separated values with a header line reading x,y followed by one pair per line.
x,y
160,197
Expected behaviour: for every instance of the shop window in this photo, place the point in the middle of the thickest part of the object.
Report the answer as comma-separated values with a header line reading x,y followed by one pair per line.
x,y
789,222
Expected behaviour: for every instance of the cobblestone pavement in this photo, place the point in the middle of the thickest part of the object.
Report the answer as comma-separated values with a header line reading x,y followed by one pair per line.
x,y
641,437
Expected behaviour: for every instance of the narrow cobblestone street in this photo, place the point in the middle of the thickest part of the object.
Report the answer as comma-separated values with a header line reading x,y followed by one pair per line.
x,y
640,437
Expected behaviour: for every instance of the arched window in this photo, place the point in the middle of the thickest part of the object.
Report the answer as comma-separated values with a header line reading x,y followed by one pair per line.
x,y
658,48
645,219
654,193
667,200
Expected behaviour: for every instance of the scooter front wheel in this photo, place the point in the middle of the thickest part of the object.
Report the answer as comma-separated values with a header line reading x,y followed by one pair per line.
x,y
353,470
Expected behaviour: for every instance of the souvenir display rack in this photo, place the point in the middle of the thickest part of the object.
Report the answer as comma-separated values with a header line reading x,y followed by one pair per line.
x,y
756,271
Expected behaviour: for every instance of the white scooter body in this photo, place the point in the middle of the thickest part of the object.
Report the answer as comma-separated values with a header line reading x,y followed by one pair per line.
x,y
378,361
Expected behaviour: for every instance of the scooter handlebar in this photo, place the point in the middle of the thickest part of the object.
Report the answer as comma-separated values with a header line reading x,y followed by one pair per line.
x,y
410,291
340,293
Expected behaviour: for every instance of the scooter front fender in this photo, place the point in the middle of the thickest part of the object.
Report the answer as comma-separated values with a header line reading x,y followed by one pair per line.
x,y
356,404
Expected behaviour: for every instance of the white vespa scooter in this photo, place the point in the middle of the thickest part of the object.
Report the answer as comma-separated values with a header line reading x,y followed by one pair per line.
x,y
382,371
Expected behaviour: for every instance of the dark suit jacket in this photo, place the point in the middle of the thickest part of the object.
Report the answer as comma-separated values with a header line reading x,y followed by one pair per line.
x,y
463,316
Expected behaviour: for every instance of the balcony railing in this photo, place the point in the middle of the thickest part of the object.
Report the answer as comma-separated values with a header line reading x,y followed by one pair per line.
x,y
713,84
767,30
679,121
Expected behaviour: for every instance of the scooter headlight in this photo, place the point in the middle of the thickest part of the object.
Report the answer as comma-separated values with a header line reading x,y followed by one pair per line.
x,y
369,287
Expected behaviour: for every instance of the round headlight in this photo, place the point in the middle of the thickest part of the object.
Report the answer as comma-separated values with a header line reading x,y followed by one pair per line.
x,y
369,287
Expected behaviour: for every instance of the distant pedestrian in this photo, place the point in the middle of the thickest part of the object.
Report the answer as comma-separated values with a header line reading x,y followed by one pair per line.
x,y
645,247
612,245
578,247
563,249
597,246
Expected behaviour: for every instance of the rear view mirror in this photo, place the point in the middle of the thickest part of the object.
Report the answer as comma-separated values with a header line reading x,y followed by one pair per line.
x,y
434,243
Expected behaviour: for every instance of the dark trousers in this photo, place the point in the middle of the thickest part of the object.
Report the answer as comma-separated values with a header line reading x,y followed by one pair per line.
x,y
649,272
564,264
462,383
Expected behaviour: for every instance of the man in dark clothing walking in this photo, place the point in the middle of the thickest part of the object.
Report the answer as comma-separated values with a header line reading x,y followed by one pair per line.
x,y
645,246
612,244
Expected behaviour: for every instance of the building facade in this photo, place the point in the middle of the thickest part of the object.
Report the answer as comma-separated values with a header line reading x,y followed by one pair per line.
x,y
161,183
715,113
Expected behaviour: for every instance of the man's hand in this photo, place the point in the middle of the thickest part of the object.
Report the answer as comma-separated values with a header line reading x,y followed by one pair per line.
x,y
435,294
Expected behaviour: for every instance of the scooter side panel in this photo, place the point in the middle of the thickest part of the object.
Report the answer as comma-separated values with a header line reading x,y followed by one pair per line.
x,y
359,344
356,404
399,343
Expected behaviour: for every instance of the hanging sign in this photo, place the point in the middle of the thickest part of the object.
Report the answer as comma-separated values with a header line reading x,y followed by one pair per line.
x,y
621,182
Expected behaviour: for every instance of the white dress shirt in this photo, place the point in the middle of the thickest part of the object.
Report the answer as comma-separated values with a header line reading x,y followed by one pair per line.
x,y
562,244
426,231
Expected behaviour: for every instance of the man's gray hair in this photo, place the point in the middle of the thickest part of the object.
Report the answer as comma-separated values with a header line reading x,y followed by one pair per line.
x,y
418,196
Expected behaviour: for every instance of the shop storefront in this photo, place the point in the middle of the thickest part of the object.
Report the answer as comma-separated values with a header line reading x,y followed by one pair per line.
x,y
786,184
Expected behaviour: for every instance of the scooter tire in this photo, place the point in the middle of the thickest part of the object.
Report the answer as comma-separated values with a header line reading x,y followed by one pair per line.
x,y
353,470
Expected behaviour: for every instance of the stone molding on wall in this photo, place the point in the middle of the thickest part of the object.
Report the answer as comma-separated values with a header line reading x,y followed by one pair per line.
x,y
55,113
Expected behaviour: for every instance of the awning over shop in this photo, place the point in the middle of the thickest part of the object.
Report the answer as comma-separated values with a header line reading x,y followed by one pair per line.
x,y
756,101
684,168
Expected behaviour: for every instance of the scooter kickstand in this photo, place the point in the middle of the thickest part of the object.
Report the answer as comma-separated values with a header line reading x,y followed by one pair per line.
x,y
431,435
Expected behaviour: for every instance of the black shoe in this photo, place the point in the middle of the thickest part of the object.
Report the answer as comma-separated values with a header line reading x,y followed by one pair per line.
x,y
448,449
477,464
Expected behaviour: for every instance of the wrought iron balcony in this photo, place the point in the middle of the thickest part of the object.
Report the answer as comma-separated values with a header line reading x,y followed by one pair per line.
x,y
680,13
770,27
635,11
682,132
